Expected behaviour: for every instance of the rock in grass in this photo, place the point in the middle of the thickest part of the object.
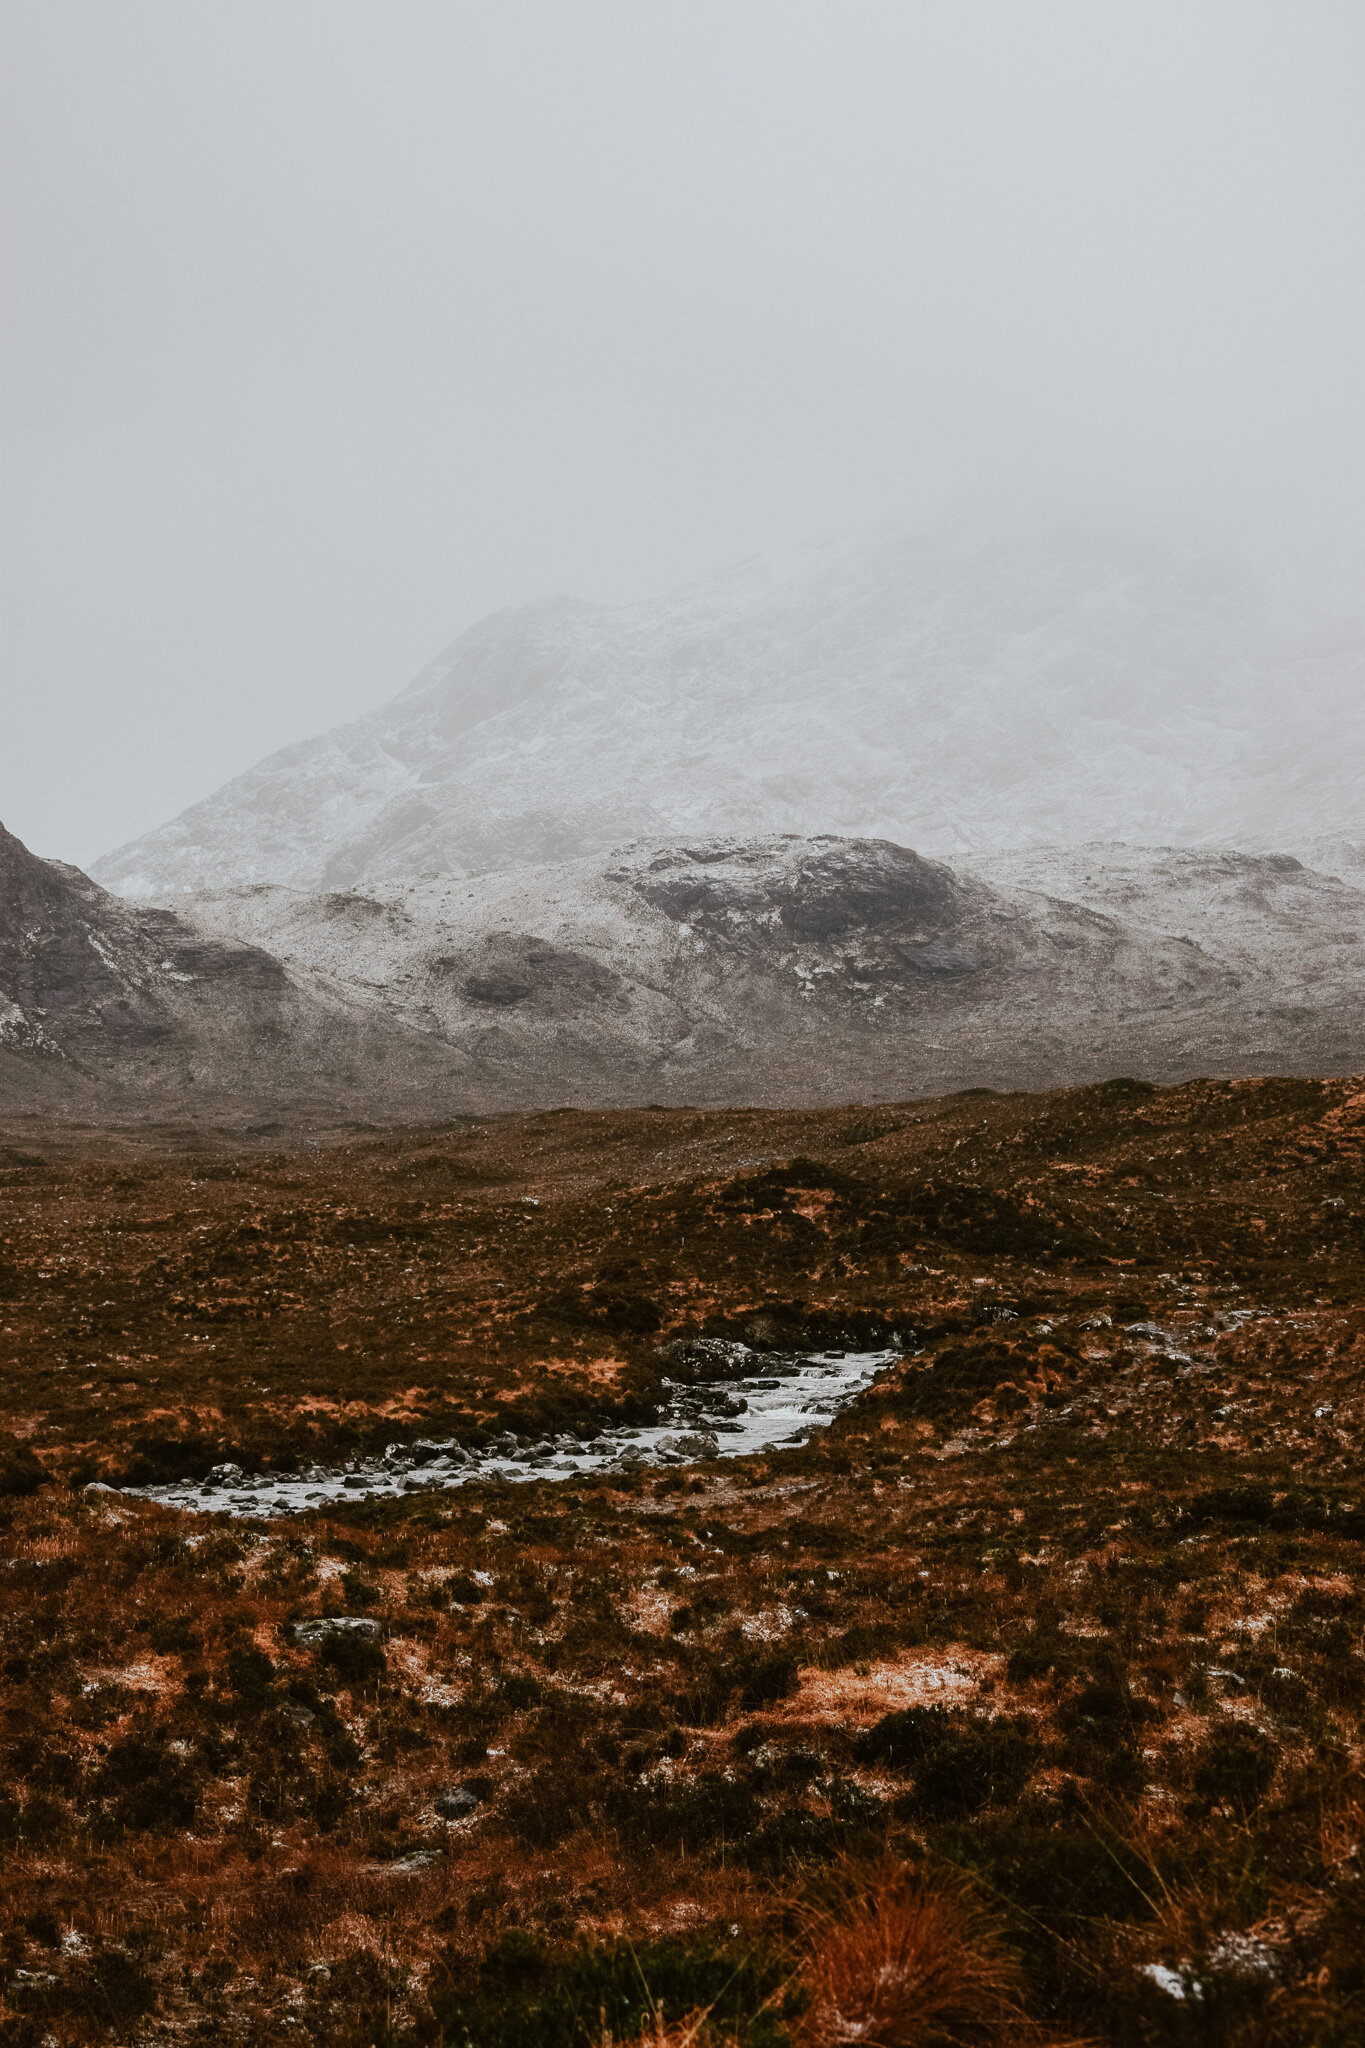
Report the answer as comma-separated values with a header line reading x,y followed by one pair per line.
x,y
457,1804
326,1627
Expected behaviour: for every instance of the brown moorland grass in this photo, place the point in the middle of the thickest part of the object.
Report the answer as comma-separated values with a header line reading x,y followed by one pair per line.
x,y
1047,1654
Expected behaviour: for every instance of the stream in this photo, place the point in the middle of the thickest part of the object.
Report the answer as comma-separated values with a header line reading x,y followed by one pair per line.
x,y
782,1401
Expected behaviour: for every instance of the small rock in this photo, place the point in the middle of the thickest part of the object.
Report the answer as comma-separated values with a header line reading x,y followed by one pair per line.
x,y
457,1804
701,1445
327,1626
711,1358
1225,1677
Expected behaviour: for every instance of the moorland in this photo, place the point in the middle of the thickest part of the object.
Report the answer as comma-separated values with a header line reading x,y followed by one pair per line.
x,y
1024,1703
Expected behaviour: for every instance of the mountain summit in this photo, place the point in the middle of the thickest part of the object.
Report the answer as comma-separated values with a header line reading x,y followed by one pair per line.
x,y
958,696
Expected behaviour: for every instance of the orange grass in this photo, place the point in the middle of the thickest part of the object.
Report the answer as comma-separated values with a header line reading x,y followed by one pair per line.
x,y
903,1960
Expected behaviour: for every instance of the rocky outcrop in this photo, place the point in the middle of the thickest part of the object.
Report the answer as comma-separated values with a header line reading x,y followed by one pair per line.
x,y
107,1005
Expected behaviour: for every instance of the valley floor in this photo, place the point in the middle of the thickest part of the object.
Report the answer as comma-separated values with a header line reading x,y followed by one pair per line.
x,y
1033,1686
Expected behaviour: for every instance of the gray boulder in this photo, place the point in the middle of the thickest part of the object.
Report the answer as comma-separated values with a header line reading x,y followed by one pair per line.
x,y
701,1444
457,1804
328,1626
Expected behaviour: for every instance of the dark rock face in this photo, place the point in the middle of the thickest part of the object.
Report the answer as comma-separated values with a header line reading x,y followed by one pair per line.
x,y
864,885
49,962
881,911
498,989
82,965
107,1002
871,885
512,969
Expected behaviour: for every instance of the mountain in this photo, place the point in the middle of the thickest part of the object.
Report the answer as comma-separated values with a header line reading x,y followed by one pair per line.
x,y
956,695
118,1008
789,970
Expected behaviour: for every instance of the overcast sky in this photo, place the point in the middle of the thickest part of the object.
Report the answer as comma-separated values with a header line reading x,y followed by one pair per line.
x,y
333,324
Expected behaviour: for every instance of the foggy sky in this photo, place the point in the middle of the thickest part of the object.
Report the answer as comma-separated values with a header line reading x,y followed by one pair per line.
x,y
333,324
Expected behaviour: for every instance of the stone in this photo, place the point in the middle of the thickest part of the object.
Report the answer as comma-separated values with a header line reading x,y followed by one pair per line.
x,y
417,1859
457,1804
702,1444
707,1358
326,1626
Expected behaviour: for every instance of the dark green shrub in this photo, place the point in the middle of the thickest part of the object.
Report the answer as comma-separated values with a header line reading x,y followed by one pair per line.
x,y
686,1815
249,1674
174,1636
1106,1708
519,1690
772,1678
1042,1656
146,1786
960,1763
1235,1768
1060,1879
549,1805
521,1997
864,1643
355,1659
21,1472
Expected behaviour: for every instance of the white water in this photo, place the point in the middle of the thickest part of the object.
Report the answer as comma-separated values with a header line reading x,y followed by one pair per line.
x,y
784,1399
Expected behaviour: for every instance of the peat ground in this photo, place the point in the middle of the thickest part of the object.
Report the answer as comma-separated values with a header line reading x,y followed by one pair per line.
x,y
1066,1612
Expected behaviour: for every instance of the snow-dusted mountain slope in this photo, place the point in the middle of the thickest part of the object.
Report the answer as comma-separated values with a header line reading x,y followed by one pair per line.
x,y
953,695
827,970
108,1007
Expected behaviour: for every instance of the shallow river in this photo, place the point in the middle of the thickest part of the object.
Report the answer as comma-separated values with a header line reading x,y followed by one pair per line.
x,y
782,1401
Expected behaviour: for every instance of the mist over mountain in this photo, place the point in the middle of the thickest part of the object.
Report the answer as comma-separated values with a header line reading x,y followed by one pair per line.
x,y
947,692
